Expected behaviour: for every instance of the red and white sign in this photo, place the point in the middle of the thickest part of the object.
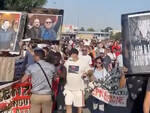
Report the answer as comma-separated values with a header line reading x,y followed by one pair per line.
x,y
111,99
15,97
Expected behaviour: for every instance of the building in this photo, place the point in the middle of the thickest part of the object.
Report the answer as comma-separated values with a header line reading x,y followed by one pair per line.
x,y
115,31
71,32
91,35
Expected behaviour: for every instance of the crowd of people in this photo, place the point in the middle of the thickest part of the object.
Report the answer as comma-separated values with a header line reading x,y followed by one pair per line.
x,y
61,70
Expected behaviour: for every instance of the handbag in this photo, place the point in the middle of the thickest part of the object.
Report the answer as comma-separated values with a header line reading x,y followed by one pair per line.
x,y
52,94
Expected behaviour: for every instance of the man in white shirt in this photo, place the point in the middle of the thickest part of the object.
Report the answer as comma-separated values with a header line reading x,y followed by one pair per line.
x,y
100,49
74,87
85,57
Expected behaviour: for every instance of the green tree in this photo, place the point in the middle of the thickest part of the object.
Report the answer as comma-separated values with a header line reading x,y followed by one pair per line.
x,y
108,29
82,29
116,36
90,29
1,4
102,30
22,5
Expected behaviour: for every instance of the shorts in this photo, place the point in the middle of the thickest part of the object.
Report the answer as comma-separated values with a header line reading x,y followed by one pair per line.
x,y
75,98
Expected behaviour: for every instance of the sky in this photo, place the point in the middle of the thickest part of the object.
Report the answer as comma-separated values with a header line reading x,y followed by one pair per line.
x,y
97,13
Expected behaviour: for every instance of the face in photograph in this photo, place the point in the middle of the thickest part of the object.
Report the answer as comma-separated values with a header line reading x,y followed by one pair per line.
x,y
36,23
6,25
48,23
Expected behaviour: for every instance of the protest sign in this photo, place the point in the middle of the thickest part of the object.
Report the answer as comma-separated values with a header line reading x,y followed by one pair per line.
x,y
136,42
110,98
11,30
108,90
15,97
44,26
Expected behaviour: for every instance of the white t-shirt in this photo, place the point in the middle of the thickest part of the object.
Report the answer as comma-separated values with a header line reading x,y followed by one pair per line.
x,y
87,42
120,60
100,75
101,50
86,58
75,70
112,56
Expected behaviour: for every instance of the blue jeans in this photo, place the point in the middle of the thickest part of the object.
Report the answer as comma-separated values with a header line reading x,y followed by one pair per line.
x,y
97,105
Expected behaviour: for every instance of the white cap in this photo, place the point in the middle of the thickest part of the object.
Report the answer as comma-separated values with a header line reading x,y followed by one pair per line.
x,y
42,45
26,40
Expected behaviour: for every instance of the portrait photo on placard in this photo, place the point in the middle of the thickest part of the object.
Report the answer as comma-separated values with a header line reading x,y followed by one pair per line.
x,y
9,30
43,26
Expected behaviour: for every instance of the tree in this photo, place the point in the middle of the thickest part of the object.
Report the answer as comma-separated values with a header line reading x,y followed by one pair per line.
x,y
90,29
82,29
116,36
22,5
1,4
107,29
102,30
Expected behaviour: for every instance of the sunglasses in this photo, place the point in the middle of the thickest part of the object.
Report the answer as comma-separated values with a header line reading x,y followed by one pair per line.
x,y
48,22
98,62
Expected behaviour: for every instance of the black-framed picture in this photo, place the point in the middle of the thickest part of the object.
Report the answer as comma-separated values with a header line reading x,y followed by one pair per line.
x,y
44,26
136,42
11,30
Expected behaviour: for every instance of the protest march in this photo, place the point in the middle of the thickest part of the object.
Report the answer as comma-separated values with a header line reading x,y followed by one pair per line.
x,y
49,67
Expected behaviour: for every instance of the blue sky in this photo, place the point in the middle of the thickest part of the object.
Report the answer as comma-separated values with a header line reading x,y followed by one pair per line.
x,y
97,13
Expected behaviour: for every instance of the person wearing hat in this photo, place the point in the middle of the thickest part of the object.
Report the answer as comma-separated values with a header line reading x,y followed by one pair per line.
x,y
106,60
41,98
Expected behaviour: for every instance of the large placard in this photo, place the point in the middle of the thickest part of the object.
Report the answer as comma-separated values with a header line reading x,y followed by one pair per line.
x,y
15,97
44,26
109,91
136,42
11,30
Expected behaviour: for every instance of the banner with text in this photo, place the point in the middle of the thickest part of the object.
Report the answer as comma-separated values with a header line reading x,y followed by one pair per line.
x,y
15,97
108,90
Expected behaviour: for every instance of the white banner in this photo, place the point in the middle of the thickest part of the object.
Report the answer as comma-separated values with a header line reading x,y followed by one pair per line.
x,y
108,90
108,98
